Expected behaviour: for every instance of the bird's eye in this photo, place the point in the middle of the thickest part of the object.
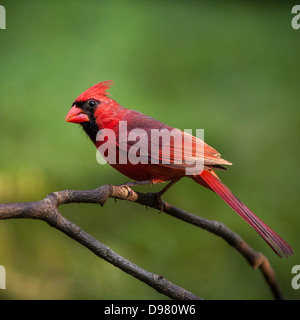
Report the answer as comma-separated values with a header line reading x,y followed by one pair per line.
x,y
92,103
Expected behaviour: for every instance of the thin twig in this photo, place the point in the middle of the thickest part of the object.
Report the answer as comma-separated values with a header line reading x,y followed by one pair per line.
x,y
47,210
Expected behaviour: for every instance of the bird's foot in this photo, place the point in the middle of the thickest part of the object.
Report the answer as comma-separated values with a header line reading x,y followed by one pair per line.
x,y
130,184
135,183
157,195
130,192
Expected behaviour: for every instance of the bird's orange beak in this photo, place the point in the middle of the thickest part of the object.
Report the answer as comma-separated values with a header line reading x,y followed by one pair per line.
x,y
76,115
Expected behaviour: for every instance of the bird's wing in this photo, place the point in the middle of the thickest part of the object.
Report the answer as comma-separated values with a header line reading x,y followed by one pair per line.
x,y
157,143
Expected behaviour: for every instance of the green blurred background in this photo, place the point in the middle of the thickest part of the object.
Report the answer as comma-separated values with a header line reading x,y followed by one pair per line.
x,y
231,68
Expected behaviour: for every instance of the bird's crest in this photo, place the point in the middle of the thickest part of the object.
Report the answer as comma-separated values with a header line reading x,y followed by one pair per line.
x,y
96,91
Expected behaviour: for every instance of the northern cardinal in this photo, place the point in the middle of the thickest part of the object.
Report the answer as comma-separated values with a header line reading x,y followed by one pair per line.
x,y
95,110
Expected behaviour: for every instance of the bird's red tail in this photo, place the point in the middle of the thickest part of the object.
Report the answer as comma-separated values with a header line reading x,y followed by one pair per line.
x,y
280,246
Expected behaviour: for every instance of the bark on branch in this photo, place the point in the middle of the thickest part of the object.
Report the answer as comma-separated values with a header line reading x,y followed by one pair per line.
x,y
47,210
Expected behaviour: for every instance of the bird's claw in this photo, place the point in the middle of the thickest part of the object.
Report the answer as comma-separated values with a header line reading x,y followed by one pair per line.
x,y
129,190
161,205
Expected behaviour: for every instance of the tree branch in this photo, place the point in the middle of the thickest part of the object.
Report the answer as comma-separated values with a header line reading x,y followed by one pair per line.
x,y
47,210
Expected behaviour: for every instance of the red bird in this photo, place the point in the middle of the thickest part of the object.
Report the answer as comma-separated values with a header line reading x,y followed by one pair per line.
x,y
95,111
